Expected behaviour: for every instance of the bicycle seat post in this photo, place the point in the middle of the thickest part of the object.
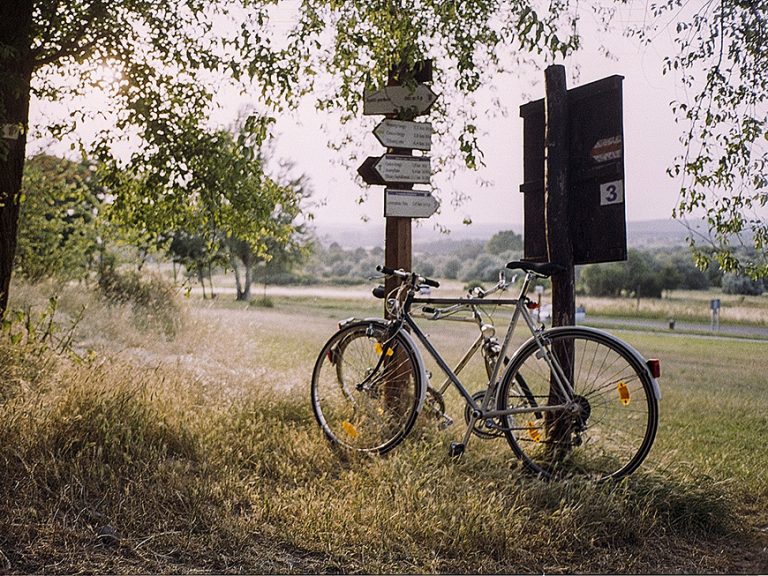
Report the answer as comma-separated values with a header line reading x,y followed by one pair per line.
x,y
526,285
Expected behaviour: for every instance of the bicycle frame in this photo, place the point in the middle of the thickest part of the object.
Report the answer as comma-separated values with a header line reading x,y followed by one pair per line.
x,y
479,342
482,411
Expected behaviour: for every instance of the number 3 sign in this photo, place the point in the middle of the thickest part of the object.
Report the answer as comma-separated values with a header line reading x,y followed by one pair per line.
x,y
612,193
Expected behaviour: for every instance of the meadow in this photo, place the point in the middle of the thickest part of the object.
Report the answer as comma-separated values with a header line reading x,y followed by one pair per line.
x,y
127,449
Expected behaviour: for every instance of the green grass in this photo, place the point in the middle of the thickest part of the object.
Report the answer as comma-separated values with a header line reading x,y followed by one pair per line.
x,y
201,454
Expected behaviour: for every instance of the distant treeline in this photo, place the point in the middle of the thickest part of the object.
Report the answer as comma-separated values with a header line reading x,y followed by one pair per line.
x,y
646,273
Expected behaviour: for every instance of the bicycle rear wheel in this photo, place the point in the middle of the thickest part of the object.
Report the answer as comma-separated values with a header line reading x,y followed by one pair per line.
x,y
367,387
614,419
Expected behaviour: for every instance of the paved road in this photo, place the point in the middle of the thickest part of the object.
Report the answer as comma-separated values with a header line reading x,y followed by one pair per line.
x,y
364,293
680,326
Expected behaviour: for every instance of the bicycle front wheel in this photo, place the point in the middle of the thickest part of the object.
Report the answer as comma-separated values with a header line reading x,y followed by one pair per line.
x,y
367,388
604,431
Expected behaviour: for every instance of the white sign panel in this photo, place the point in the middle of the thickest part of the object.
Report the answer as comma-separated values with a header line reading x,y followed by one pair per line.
x,y
612,193
392,99
409,203
402,134
395,168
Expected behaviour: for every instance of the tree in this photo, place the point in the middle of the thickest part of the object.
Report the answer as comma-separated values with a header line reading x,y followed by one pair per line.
x,y
171,57
60,221
722,62
196,254
504,241
640,276
604,279
168,58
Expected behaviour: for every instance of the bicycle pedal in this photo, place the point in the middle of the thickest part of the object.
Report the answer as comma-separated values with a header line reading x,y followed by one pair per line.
x,y
456,449
445,423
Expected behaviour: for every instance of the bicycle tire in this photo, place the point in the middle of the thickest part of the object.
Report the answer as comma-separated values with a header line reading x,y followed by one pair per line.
x,y
617,418
367,387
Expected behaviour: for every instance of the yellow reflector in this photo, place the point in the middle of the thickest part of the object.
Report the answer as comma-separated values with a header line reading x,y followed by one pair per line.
x,y
533,431
379,348
350,429
623,393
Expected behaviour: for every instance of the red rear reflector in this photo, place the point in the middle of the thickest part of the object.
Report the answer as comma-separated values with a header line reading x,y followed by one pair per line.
x,y
531,305
654,365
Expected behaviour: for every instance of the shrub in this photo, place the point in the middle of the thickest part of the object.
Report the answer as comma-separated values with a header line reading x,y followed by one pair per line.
x,y
451,268
153,301
733,284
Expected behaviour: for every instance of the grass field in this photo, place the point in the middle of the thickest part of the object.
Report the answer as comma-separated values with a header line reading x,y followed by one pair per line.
x,y
200,454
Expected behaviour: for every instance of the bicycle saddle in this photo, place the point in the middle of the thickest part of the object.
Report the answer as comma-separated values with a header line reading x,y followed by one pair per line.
x,y
541,268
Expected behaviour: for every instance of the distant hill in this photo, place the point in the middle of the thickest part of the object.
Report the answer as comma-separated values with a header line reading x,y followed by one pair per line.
x,y
640,234
369,235
655,233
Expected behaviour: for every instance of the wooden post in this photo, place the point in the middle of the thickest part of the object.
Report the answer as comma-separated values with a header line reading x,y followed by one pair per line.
x,y
559,245
398,249
557,212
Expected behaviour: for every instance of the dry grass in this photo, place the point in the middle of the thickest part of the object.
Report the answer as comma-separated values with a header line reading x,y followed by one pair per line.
x,y
201,454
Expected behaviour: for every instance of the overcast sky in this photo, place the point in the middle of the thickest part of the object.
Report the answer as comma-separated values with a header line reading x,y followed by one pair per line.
x,y
651,143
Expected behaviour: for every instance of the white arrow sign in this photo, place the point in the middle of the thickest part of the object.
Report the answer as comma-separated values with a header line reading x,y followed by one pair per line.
x,y
409,203
395,168
393,99
402,134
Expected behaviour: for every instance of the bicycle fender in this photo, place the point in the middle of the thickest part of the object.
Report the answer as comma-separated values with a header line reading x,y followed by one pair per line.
x,y
639,357
422,370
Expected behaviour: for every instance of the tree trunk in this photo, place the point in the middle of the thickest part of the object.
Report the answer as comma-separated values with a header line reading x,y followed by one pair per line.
x,y
201,278
244,291
238,283
17,62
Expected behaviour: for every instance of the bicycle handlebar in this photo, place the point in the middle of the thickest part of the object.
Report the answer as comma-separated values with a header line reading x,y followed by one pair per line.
x,y
400,273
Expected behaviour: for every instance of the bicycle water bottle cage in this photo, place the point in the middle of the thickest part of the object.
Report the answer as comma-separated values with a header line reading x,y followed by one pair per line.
x,y
544,269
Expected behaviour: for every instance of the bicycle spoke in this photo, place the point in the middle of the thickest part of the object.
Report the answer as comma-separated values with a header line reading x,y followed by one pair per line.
x,y
365,390
608,427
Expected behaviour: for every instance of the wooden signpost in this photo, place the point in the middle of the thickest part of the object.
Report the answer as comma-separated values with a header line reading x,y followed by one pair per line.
x,y
401,101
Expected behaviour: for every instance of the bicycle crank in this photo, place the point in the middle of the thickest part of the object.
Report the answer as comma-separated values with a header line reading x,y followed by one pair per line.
x,y
483,428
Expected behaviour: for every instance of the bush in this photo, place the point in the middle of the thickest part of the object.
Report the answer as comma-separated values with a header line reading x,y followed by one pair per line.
x,y
484,267
153,301
733,284
451,268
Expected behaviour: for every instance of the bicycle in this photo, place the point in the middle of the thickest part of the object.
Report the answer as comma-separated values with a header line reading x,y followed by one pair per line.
x,y
486,343
570,399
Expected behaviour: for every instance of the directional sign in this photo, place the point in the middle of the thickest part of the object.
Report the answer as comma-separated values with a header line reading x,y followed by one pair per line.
x,y
395,168
409,203
393,99
402,134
